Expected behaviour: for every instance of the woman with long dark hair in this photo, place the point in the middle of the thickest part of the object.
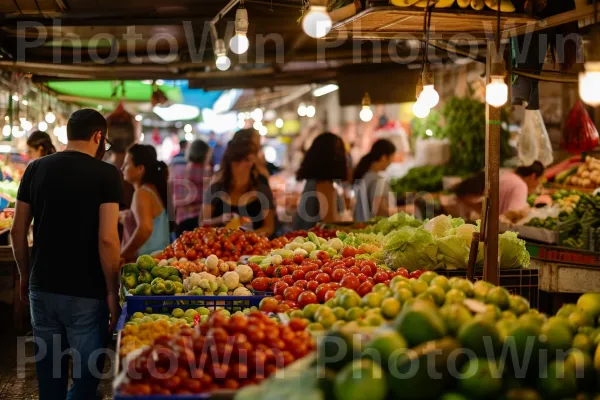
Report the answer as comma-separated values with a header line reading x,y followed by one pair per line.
x,y
239,190
146,224
324,162
39,145
371,188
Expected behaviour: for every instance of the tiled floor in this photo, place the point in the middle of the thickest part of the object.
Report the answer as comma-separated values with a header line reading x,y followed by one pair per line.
x,y
12,386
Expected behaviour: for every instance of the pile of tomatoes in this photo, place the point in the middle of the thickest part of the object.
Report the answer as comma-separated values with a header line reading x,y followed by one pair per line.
x,y
298,282
227,244
222,353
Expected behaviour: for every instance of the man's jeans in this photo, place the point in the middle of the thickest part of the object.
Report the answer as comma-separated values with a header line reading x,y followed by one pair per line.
x,y
69,325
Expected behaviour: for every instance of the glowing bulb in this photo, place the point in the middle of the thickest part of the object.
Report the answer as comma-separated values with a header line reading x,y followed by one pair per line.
x,y
15,97
311,111
429,132
241,124
142,137
26,125
263,131
6,130
257,114
270,154
223,62
239,43
42,126
429,96
496,92
241,115
279,123
189,136
187,128
257,125
366,114
138,118
17,132
317,22
420,110
302,110
589,88
25,102
50,117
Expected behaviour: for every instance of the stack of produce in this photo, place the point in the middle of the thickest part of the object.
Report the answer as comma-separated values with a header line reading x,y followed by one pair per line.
x,y
586,175
428,178
221,353
145,278
6,218
477,5
227,244
453,339
9,188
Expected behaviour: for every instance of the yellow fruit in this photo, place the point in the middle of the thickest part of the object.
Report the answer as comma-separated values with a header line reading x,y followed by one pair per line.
x,y
423,3
477,5
403,3
463,3
444,4
505,5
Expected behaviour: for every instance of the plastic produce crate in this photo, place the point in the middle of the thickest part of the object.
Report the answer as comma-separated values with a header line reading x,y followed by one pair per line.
x,y
218,395
140,303
523,281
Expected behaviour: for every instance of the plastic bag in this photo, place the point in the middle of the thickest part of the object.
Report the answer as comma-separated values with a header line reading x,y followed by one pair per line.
x,y
579,134
534,142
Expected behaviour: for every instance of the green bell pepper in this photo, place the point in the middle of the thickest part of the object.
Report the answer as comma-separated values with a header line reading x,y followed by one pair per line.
x,y
130,268
158,286
175,278
178,287
143,289
169,287
160,272
144,277
129,280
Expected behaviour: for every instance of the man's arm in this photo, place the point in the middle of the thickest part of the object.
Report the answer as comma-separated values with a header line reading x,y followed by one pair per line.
x,y
18,235
109,249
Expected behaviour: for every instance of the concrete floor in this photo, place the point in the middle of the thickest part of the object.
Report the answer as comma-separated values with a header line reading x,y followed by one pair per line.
x,y
13,387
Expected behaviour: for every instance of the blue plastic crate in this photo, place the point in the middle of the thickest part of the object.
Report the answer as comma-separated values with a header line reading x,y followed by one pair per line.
x,y
218,395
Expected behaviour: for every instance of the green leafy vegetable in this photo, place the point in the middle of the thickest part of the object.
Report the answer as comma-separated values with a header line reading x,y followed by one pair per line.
x,y
411,248
513,253
439,225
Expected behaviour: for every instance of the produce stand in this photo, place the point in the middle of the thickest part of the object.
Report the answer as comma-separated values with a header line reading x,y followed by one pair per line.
x,y
564,273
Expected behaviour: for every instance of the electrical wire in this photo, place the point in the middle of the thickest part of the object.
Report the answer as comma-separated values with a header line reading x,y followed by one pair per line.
x,y
17,5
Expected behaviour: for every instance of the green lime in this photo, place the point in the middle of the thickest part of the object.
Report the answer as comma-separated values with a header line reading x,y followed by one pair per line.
x,y
403,294
480,335
420,322
427,277
455,296
404,285
508,315
297,314
354,313
358,378
310,310
396,280
480,289
380,287
590,304
339,312
190,313
315,326
463,285
349,299
337,325
372,300
437,293
522,394
453,396
374,320
558,381
499,297
455,315
441,281
518,305
583,343
418,286
137,315
580,318
566,310
480,378
557,337
385,345
390,307
177,313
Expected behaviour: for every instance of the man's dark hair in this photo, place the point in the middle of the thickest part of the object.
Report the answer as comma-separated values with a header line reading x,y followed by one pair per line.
x,y
536,168
183,144
197,152
84,123
120,145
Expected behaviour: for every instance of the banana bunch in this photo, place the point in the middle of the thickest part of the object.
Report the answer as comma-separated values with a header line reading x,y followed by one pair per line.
x,y
478,5
505,5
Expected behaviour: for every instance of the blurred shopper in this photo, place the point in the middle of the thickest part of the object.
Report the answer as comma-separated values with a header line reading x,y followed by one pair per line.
x,y
218,149
253,135
189,182
240,190
73,197
39,144
324,162
117,153
179,158
373,193
146,225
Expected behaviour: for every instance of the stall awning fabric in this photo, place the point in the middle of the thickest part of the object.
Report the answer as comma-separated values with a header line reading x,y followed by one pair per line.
x,y
106,90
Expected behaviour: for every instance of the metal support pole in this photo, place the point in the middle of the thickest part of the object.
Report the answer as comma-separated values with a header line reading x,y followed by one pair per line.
x,y
492,178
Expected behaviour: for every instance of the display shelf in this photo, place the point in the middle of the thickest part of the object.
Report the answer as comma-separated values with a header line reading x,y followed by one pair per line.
x,y
564,255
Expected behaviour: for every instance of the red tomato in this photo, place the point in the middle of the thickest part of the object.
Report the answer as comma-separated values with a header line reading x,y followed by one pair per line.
x,y
364,288
279,298
301,283
416,274
191,255
286,261
380,277
282,308
312,266
329,294
372,265
350,281
306,297
321,290
323,278
338,274
334,286
292,293
387,282
298,274
291,304
312,285
366,270
349,262
288,279
298,324
270,270
327,269
260,284
354,270
310,275
361,277
268,304
323,256
281,271
298,258
279,287
349,251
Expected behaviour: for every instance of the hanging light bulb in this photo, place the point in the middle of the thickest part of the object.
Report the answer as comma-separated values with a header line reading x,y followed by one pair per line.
x,y
366,114
187,129
263,131
420,110
428,96
139,118
50,117
189,136
241,124
257,114
317,22
15,97
279,123
302,110
496,92
257,125
222,62
239,43
26,125
310,111
42,126
589,81
6,130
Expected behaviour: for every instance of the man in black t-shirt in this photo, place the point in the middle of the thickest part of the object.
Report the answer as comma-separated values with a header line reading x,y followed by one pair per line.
x,y
72,279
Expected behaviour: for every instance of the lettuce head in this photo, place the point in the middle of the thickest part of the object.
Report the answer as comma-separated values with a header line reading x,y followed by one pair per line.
x,y
513,253
411,248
